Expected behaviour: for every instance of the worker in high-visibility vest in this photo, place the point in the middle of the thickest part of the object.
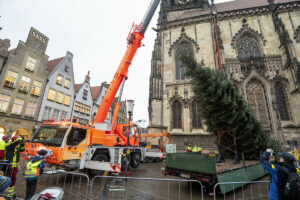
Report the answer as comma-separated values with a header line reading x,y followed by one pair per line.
x,y
199,149
34,169
189,148
12,154
195,149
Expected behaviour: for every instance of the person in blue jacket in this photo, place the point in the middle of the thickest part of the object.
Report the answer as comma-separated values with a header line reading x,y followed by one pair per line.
x,y
278,174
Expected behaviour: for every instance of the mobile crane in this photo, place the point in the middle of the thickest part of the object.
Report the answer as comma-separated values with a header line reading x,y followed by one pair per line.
x,y
97,146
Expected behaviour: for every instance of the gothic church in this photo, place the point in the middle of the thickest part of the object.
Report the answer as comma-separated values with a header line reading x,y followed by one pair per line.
x,y
259,44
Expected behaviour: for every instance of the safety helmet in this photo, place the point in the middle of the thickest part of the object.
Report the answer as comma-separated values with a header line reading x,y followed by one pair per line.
x,y
14,138
5,137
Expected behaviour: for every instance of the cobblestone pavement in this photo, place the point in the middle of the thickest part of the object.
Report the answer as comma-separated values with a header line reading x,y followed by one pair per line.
x,y
75,187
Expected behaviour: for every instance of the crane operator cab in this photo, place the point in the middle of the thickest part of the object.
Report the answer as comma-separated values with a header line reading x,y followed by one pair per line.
x,y
67,141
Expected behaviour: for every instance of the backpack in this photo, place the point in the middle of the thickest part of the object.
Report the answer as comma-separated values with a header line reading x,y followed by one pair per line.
x,y
292,186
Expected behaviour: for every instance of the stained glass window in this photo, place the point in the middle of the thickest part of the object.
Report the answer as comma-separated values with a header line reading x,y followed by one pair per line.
x,y
247,47
176,111
180,69
282,102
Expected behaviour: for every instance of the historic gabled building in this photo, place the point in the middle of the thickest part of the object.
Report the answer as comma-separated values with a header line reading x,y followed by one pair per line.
x,y
23,77
59,92
260,50
83,102
98,93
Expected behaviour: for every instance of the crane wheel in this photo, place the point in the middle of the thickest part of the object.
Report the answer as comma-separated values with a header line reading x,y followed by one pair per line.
x,y
98,157
150,159
135,160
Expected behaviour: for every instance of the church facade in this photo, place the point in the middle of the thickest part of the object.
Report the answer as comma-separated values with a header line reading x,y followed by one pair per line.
x,y
259,44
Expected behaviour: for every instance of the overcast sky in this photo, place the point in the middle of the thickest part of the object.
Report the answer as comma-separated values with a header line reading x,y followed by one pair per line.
x,y
94,31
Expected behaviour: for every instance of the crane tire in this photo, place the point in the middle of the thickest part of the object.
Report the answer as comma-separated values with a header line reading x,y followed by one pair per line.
x,y
135,160
98,157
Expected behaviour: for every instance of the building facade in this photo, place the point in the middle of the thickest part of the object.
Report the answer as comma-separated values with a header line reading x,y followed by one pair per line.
x,y
98,93
60,90
260,50
83,102
22,82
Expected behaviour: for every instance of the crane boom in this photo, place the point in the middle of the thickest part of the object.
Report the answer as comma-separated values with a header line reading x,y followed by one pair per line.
x,y
134,40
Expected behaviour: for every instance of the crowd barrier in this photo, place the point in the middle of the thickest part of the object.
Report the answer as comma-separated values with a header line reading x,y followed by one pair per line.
x,y
135,188
80,186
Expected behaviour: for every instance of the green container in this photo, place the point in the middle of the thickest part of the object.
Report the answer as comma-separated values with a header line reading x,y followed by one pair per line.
x,y
193,162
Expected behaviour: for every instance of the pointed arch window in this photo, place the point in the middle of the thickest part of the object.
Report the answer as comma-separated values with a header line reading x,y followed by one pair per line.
x,y
180,69
247,47
282,102
196,120
176,112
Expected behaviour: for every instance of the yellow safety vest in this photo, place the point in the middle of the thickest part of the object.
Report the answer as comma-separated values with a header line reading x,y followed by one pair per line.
x,y
2,145
32,169
189,148
195,149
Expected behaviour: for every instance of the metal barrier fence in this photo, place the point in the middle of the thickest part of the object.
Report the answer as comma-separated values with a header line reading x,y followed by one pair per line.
x,y
75,185
253,190
79,186
117,188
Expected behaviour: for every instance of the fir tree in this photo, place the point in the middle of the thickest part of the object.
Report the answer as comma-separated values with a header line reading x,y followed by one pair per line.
x,y
223,108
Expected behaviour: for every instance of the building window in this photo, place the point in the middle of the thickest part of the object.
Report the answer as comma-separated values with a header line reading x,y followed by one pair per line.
x,y
176,112
59,97
82,108
24,84
30,64
64,115
67,67
196,120
4,101
36,88
85,94
11,79
55,114
67,83
18,106
59,79
51,94
180,69
47,113
30,109
247,47
67,100
87,110
282,102
257,100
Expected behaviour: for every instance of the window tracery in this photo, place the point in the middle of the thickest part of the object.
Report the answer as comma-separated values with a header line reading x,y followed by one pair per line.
x,y
176,114
282,102
247,47
196,120
180,69
258,102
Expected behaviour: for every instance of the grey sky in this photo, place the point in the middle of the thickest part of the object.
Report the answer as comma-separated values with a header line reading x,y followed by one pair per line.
x,y
94,31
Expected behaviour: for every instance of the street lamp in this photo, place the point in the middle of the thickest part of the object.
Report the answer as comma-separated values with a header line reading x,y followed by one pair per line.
x,y
130,105
214,13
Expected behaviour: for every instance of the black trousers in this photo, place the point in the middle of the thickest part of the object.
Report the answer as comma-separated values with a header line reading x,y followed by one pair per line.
x,y
30,188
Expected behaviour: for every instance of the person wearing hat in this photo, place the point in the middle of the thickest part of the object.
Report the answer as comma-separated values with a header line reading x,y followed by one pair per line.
x,y
12,154
4,183
34,169
189,148
279,172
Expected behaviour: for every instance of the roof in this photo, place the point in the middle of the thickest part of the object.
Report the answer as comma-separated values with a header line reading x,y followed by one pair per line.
x,y
231,6
13,51
53,63
78,86
95,90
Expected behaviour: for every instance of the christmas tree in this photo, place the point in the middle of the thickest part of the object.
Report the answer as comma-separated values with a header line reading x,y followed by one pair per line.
x,y
223,108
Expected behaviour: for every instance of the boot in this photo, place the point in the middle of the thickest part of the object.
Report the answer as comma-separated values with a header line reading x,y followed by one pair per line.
x,y
11,192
